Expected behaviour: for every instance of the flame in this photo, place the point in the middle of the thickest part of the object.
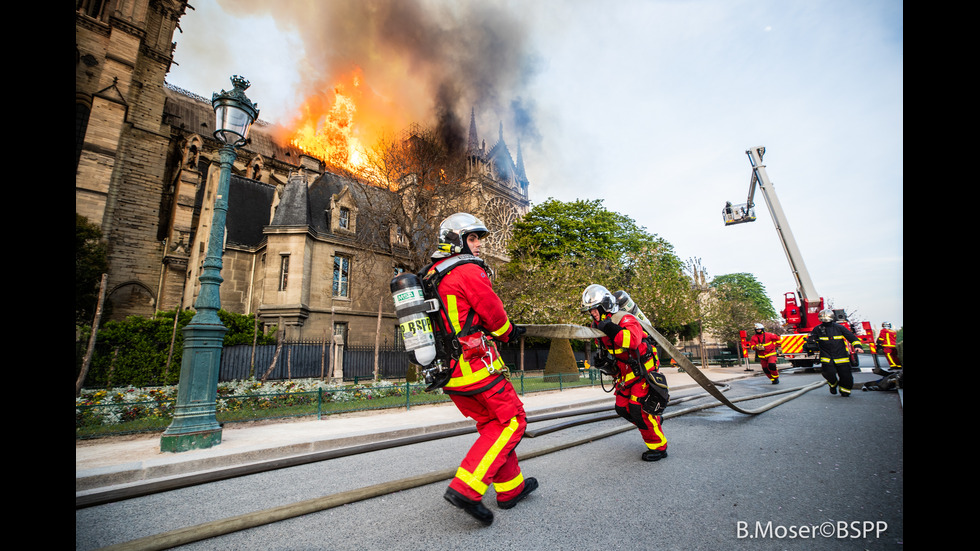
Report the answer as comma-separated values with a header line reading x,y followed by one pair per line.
x,y
326,128
340,124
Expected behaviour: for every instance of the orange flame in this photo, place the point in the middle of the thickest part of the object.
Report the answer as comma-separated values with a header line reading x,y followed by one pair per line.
x,y
338,127
326,127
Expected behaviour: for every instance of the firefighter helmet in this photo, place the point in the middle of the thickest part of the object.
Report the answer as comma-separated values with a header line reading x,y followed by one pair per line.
x,y
597,296
826,315
759,328
453,232
886,325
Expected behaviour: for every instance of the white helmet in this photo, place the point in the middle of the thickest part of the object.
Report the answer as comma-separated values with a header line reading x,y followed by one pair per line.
x,y
886,325
759,327
826,315
453,232
597,296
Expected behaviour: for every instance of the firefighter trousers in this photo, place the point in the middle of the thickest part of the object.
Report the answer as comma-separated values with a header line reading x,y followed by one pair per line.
x,y
769,367
628,406
500,422
838,374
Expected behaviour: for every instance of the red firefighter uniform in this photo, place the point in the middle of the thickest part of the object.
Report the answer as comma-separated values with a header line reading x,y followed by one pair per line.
x,y
888,340
480,390
627,348
764,345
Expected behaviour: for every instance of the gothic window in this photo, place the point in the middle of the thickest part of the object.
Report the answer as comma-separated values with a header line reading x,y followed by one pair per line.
x,y
341,276
283,272
500,219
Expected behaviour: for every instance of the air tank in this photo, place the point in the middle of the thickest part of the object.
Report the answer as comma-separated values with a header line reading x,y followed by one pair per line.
x,y
413,319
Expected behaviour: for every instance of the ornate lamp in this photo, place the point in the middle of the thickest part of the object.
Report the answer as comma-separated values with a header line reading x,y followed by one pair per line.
x,y
194,425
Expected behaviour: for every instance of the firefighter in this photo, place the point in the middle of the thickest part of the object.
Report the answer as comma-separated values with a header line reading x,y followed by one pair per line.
x,y
888,341
624,355
473,312
764,345
832,341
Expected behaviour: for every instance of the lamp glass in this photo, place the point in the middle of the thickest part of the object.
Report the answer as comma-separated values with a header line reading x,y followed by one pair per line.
x,y
233,123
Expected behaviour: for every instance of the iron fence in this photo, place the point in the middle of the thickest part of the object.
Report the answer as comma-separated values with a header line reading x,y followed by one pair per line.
x,y
119,415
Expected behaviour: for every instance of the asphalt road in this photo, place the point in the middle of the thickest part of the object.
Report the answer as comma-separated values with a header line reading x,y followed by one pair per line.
x,y
817,472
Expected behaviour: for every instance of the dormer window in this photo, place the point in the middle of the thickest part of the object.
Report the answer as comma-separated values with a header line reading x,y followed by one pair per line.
x,y
343,220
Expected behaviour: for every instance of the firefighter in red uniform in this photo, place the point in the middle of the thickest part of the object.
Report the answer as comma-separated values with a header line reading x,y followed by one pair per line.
x,y
625,356
832,340
472,311
888,341
764,345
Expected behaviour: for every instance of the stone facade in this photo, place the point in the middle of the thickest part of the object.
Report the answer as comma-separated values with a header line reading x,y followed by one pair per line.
x,y
300,250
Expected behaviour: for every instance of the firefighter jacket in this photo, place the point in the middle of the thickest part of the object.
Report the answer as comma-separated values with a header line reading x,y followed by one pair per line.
x,y
833,341
888,338
764,344
470,305
624,342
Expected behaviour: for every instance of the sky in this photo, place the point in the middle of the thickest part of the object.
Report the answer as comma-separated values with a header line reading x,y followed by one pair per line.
x,y
649,105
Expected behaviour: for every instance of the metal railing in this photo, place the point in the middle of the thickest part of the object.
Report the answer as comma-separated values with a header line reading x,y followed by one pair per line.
x,y
96,419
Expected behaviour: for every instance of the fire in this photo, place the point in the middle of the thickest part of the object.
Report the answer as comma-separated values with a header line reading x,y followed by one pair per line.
x,y
341,124
327,129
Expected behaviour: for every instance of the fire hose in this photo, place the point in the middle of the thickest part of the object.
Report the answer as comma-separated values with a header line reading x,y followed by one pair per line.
x,y
220,527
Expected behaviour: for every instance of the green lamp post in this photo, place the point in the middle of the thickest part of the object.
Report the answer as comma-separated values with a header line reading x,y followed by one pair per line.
x,y
194,425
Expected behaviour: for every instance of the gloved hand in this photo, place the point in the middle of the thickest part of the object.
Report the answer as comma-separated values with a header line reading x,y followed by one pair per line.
x,y
606,365
609,328
516,332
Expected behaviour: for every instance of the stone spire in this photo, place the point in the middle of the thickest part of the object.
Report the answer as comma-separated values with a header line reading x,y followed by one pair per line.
x,y
473,144
521,175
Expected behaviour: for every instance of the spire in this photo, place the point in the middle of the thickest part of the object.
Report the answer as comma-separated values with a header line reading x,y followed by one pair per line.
x,y
521,175
473,144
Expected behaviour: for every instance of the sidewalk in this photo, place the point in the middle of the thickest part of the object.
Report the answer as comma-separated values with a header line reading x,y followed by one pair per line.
x,y
124,460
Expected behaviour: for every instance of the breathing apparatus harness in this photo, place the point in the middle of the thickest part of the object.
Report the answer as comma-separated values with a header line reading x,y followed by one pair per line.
x,y
659,395
470,341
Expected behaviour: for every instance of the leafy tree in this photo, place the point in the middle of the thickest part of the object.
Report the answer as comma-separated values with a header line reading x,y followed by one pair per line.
x,y
739,301
559,248
91,261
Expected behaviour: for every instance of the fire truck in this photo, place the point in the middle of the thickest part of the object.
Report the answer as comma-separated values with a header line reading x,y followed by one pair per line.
x,y
800,308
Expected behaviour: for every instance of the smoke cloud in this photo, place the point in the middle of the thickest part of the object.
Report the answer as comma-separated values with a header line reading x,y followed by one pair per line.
x,y
421,61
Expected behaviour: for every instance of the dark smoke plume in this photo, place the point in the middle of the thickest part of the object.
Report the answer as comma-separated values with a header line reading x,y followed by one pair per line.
x,y
433,60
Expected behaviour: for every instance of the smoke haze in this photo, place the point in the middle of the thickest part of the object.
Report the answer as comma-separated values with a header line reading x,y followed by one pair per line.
x,y
421,61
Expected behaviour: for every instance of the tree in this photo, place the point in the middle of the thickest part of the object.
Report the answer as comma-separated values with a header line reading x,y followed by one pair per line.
x,y
739,301
91,261
559,248
426,174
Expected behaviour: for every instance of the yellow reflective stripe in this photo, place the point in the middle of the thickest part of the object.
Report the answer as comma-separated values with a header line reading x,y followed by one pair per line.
x,y
510,484
503,330
626,338
453,313
773,353
475,479
658,431
471,480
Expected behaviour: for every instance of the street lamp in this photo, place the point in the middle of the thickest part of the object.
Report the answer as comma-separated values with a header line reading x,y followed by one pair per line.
x,y
194,425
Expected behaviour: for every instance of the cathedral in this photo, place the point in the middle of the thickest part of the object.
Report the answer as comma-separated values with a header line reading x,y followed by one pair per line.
x,y
305,248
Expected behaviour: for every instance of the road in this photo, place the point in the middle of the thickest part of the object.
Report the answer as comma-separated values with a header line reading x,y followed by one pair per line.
x,y
817,472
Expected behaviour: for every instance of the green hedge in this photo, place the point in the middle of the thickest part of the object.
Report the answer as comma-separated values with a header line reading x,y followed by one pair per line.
x,y
134,352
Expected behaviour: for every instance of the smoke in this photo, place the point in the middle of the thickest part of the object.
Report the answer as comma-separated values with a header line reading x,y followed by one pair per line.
x,y
422,61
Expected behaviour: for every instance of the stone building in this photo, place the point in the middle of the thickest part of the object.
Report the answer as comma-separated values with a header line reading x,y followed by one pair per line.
x,y
301,248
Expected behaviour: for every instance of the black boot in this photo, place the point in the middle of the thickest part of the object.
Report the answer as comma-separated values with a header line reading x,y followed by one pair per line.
x,y
474,508
530,485
653,455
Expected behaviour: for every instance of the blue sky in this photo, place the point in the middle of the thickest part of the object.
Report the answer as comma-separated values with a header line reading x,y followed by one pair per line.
x,y
650,105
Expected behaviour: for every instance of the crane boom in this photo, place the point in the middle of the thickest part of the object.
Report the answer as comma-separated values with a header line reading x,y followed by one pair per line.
x,y
802,317
803,282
